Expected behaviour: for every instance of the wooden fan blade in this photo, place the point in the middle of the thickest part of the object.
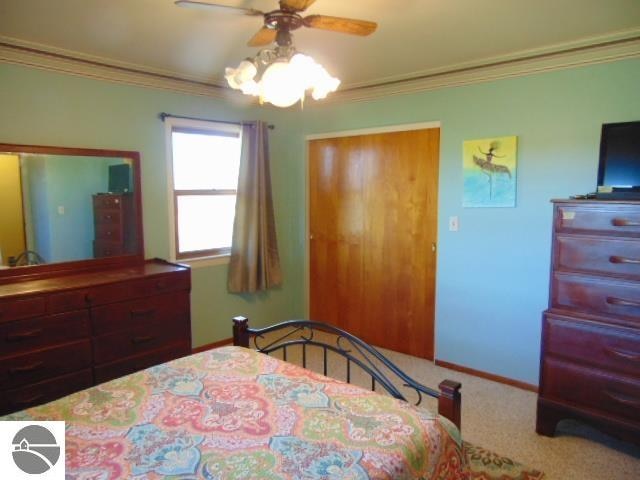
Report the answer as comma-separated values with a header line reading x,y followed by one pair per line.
x,y
296,5
264,36
342,25
213,6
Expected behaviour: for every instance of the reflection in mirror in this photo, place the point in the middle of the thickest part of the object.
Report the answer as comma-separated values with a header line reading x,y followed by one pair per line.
x,y
59,208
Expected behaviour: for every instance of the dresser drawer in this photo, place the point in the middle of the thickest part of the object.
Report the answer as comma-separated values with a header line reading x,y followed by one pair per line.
x,y
603,346
108,232
107,217
598,296
606,256
592,389
43,392
107,201
147,312
179,281
34,333
87,297
142,338
23,308
612,219
43,364
129,365
107,248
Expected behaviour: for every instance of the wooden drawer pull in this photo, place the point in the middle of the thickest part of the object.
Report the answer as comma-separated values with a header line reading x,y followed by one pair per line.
x,y
29,400
143,313
622,302
624,399
18,337
623,222
622,354
616,259
26,369
144,339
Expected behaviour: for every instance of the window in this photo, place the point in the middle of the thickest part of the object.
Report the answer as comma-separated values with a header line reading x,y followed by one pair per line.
x,y
204,167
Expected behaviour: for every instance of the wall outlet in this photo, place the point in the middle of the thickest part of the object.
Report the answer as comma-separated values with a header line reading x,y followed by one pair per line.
x,y
60,210
453,224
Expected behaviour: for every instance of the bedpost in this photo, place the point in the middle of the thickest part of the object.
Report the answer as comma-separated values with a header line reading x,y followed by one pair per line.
x,y
240,333
449,401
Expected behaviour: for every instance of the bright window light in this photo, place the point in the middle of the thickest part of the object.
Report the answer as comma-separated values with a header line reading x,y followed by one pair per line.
x,y
205,167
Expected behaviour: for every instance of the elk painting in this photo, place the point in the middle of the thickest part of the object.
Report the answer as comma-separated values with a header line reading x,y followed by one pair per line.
x,y
489,170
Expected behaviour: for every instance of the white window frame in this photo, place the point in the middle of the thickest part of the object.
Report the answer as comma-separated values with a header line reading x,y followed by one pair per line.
x,y
172,123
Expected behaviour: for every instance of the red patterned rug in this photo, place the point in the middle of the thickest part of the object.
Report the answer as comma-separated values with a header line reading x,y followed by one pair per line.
x,y
487,465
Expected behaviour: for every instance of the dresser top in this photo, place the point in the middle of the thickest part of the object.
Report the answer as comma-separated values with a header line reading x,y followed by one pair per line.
x,y
594,201
89,278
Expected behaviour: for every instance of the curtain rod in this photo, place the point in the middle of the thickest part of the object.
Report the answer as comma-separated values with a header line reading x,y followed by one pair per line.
x,y
164,115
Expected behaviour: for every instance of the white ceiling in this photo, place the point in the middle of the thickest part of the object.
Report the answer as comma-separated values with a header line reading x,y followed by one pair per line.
x,y
414,37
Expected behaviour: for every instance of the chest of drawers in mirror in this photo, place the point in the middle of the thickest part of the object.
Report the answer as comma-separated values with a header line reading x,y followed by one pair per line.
x,y
590,368
67,332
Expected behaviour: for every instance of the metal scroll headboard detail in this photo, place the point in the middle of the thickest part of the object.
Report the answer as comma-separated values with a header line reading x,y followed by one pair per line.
x,y
354,350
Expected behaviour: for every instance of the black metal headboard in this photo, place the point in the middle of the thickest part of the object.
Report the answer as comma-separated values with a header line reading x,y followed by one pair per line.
x,y
356,351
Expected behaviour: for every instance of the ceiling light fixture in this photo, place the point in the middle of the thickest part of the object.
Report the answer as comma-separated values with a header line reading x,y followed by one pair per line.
x,y
281,75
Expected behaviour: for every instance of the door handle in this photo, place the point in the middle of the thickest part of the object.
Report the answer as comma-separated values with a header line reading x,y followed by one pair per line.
x,y
622,302
26,368
623,222
142,339
617,259
17,337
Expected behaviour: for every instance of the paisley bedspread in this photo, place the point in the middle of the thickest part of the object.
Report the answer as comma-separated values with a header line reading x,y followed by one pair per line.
x,y
232,413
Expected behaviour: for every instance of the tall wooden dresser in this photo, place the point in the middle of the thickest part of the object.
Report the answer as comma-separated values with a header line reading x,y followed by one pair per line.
x,y
66,332
114,220
590,362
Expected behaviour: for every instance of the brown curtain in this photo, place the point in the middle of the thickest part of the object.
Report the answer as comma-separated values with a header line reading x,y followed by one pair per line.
x,y
255,264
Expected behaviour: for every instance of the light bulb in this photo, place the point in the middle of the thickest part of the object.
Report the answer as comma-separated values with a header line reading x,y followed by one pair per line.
x,y
281,85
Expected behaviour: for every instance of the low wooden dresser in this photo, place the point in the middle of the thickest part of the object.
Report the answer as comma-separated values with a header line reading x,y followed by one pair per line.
x,y
67,332
590,363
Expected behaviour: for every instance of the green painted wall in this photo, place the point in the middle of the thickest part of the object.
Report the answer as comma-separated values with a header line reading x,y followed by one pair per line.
x,y
492,279
45,108
68,182
492,275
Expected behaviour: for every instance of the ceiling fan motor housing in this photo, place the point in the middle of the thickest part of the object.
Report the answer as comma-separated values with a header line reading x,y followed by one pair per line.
x,y
279,19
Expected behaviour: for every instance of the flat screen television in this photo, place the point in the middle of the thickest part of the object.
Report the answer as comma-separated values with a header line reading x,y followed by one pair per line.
x,y
619,167
120,178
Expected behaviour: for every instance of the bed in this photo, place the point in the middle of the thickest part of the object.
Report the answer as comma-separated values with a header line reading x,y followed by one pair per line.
x,y
236,413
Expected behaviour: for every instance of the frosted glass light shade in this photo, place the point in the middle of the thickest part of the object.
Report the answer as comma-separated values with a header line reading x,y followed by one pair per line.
x,y
283,82
281,85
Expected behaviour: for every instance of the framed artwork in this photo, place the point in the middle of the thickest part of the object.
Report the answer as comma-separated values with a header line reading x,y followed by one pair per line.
x,y
489,172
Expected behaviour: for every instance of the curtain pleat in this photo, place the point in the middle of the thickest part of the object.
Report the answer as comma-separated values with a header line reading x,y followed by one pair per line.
x,y
255,263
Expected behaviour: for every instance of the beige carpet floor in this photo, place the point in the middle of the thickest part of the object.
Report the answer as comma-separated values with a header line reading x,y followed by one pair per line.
x,y
501,418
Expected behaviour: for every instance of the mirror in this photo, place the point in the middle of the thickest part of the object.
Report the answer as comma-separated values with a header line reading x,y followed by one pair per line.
x,y
62,205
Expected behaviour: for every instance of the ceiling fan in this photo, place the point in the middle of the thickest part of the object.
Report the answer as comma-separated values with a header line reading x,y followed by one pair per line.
x,y
280,74
279,23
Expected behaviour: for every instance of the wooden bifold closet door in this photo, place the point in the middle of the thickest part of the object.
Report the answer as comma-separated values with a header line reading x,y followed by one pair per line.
x,y
373,229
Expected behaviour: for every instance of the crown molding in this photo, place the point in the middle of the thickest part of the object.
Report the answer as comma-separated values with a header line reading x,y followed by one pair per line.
x,y
595,50
497,69
40,56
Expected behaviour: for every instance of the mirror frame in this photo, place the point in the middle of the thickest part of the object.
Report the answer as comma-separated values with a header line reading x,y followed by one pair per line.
x,y
31,271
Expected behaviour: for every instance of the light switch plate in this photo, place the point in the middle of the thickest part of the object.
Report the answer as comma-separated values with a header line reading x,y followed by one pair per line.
x,y
453,224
